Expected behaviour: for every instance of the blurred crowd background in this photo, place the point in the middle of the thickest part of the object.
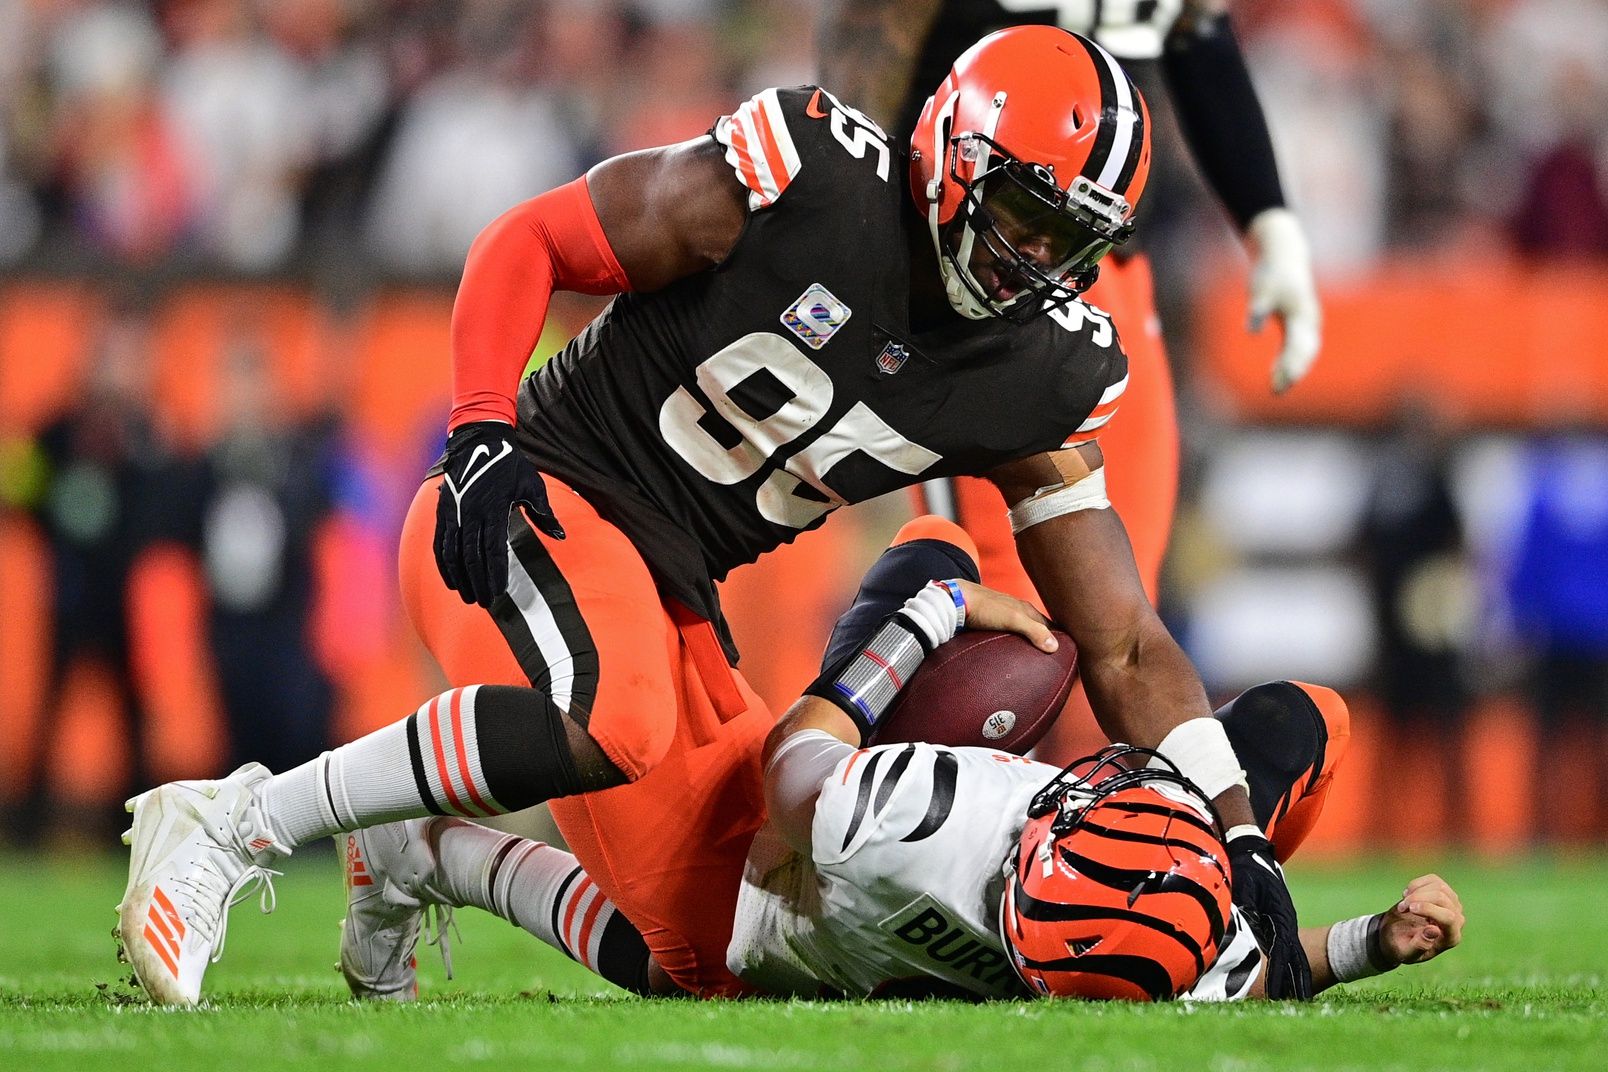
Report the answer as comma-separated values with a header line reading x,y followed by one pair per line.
x,y
229,233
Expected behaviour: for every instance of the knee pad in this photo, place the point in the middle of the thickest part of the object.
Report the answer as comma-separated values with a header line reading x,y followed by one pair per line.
x,y
1280,738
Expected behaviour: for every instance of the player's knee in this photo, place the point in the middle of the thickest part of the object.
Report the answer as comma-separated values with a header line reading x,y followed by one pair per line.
x,y
1331,707
638,746
933,527
1274,730
533,750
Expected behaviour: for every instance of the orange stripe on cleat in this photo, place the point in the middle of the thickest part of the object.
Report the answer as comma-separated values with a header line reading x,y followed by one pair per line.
x,y
161,924
162,951
168,910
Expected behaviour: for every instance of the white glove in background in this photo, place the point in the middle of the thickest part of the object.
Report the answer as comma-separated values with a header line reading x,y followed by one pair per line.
x,y
1282,286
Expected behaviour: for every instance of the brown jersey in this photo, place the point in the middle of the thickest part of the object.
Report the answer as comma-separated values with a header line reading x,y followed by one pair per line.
x,y
721,416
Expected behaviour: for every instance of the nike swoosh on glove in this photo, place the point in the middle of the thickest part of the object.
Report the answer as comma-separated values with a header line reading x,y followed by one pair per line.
x,y
1260,892
1282,286
486,474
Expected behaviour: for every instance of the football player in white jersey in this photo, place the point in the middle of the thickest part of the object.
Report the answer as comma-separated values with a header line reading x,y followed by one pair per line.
x,y
929,870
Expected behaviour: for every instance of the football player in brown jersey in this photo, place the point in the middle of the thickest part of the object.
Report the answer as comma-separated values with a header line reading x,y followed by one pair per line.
x,y
884,54
805,319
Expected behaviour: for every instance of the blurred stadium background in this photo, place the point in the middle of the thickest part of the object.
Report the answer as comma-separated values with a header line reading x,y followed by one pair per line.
x,y
229,236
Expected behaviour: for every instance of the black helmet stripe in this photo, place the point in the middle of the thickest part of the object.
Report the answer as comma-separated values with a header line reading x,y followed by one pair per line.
x,y
1136,148
1125,879
1142,972
1030,907
1151,839
1119,142
1177,814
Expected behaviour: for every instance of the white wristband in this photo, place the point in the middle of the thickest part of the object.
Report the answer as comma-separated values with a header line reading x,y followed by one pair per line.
x,y
1353,947
938,610
1200,750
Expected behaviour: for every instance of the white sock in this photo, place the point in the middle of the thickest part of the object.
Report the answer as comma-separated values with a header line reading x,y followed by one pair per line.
x,y
532,885
426,763
365,783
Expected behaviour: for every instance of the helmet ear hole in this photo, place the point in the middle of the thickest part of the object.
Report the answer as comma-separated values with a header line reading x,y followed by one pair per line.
x,y
1077,117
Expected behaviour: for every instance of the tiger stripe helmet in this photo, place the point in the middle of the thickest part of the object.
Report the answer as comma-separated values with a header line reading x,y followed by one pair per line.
x,y
1118,887
1031,121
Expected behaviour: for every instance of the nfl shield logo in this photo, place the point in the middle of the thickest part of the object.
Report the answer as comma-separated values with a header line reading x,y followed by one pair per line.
x,y
892,358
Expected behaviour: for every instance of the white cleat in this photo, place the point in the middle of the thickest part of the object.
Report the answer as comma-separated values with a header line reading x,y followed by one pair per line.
x,y
389,891
196,848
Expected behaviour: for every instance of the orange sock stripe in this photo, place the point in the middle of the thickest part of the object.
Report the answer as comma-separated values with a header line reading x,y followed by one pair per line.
x,y
441,758
569,910
587,923
463,752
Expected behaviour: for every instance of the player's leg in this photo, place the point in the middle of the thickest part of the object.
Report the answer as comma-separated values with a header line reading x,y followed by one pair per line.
x,y
1291,738
527,731
397,873
669,849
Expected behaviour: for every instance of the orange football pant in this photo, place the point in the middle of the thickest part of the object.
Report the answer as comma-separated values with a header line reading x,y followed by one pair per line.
x,y
668,847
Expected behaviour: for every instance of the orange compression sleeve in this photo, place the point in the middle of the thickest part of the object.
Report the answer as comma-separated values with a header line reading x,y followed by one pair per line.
x,y
551,242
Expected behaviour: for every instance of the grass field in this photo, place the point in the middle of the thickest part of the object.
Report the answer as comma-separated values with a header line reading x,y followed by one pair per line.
x,y
1526,990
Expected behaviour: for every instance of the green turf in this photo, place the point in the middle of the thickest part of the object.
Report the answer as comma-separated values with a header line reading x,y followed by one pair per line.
x,y
1526,991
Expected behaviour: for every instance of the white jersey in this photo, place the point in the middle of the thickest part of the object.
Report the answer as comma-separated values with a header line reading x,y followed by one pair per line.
x,y
901,891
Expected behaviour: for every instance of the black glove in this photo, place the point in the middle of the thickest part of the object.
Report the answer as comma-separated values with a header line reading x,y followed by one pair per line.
x,y
1260,893
485,475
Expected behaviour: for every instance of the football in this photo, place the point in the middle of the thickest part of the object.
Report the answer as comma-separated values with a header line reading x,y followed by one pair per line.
x,y
983,689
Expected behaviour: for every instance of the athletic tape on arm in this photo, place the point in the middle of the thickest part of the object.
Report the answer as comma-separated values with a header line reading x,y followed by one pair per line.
x,y
1086,494
1200,750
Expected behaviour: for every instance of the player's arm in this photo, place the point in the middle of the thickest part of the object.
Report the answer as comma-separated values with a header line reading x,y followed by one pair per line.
x,y
869,50
1142,687
843,705
634,222
1222,120
1426,922
639,221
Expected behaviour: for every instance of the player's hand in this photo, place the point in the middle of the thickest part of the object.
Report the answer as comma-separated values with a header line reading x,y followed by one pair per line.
x,y
988,609
486,475
1427,921
1282,286
1259,891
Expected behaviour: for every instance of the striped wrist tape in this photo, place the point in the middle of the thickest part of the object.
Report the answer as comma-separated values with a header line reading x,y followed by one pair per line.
x,y
865,685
